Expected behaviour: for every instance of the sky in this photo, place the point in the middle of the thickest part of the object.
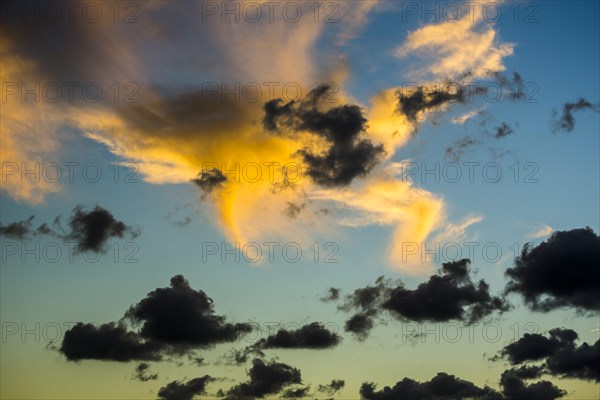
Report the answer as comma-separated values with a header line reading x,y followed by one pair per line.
x,y
300,199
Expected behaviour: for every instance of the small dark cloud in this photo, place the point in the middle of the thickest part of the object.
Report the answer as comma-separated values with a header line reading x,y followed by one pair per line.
x,y
108,342
359,325
17,230
177,390
563,271
265,378
562,357
333,294
349,156
420,100
170,321
566,122
440,387
91,230
209,180
312,336
332,387
503,130
142,373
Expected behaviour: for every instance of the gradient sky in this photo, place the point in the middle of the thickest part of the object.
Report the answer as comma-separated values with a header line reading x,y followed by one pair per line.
x,y
375,48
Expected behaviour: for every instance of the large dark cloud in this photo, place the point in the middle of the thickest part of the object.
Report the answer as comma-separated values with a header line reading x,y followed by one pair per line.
x,y
440,387
183,317
177,390
563,271
562,357
451,294
448,387
349,156
266,378
106,342
91,230
312,336
171,320
566,122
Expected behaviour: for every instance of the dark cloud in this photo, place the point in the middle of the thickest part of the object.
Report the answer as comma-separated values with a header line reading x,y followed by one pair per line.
x,y
296,393
514,387
209,180
266,378
421,99
534,347
177,390
449,295
332,387
312,336
359,325
566,122
17,230
349,156
91,230
503,130
562,271
142,373
559,351
171,320
183,317
452,295
333,294
440,387
109,342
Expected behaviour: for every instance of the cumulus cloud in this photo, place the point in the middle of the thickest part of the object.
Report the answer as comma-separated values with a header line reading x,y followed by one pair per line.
x,y
142,373
171,320
559,352
560,272
440,387
451,294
